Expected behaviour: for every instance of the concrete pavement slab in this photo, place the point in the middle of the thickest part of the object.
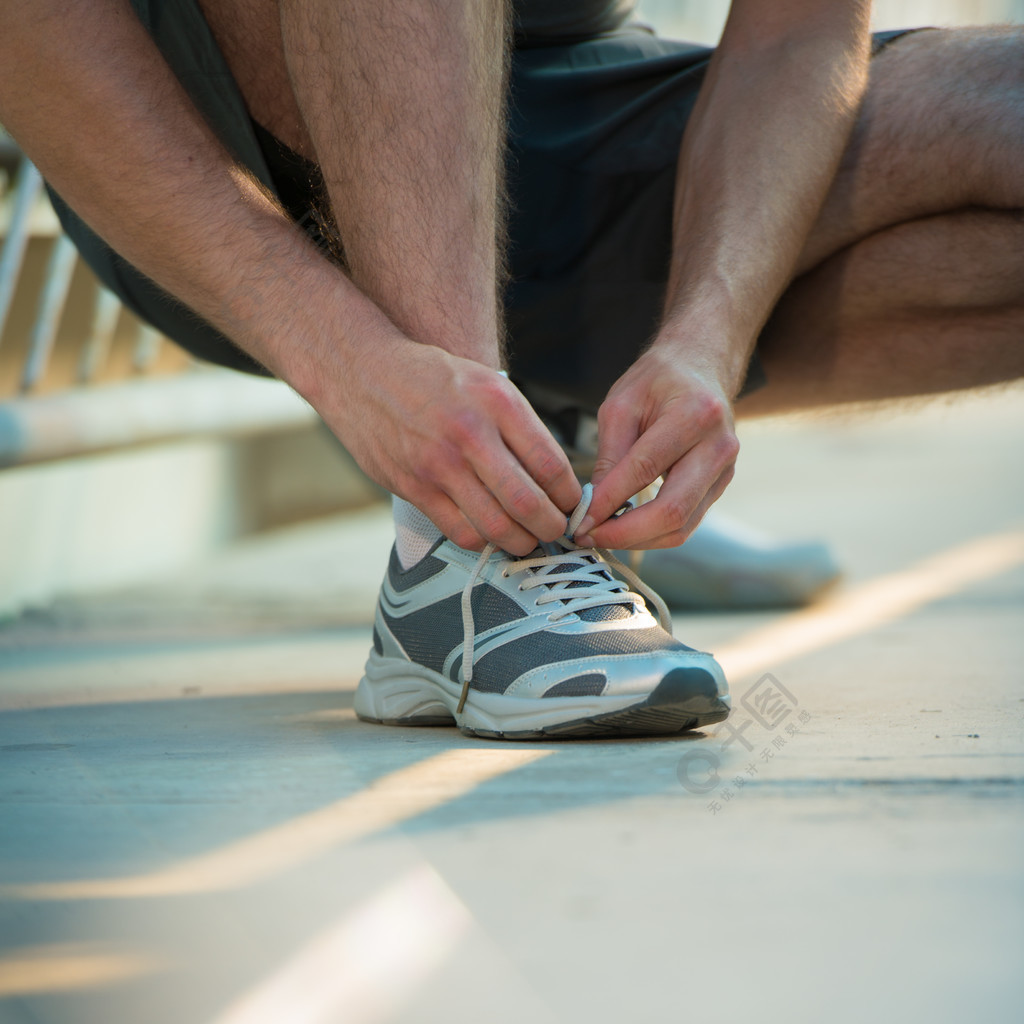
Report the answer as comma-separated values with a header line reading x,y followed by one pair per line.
x,y
195,827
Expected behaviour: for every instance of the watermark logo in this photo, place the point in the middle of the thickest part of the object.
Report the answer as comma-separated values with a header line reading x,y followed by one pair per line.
x,y
769,702
775,720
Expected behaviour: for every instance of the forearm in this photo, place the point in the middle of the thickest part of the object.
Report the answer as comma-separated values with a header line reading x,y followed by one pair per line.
x,y
90,98
409,134
759,154
757,160
93,103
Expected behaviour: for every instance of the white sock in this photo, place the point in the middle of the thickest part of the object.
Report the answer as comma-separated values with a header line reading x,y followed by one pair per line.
x,y
415,534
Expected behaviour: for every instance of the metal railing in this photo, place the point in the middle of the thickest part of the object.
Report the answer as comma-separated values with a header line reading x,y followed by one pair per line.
x,y
27,199
157,394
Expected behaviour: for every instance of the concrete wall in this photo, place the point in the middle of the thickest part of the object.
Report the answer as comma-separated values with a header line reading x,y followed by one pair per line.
x,y
702,20
111,518
87,524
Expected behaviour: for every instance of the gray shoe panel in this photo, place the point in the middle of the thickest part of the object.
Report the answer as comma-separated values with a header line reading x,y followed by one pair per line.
x,y
405,579
429,635
589,685
496,671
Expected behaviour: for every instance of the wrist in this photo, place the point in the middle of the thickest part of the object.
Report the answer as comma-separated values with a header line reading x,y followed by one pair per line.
x,y
717,352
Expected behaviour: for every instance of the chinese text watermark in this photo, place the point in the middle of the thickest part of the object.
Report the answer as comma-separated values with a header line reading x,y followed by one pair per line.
x,y
775,718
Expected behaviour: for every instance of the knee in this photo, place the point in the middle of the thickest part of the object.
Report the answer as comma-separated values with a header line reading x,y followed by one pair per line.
x,y
945,110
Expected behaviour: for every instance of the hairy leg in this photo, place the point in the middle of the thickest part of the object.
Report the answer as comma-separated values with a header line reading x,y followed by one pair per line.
x,y
402,106
412,158
912,280
933,305
941,129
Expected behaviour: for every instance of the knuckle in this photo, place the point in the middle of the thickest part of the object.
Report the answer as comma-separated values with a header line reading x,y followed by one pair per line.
x,y
613,408
493,392
645,469
437,459
673,517
497,526
465,536
710,412
498,391
523,504
548,468
462,428
729,449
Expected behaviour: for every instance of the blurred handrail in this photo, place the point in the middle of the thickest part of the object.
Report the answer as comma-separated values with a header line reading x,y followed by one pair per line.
x,y
29,185
59,269
201,403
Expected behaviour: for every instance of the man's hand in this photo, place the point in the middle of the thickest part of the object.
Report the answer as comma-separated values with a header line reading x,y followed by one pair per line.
x,y
457,440
661,418
759,153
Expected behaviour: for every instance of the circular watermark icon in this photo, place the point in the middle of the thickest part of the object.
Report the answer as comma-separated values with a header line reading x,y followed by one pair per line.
x,y
697,771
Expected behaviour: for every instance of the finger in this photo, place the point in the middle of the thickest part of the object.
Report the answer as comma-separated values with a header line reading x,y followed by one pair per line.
x,y
446,516
650,457
521,500
690,483
493,523
470,461
512,490
542,458
673,540
464,510
618,427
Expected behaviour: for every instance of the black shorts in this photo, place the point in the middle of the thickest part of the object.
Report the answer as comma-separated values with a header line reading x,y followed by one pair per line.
x,y
595,128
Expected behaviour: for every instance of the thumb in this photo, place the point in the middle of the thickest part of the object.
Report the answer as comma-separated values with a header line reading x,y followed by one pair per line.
x,y
618,431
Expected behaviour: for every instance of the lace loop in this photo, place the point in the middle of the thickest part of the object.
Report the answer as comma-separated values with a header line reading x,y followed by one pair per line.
x,y
588,584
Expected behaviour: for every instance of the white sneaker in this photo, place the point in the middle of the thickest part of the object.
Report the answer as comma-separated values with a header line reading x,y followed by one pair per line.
x,y
725,566
552,645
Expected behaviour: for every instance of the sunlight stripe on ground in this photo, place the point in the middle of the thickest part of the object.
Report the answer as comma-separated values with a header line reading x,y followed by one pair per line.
x,y
389,800
871,604
67,966
366,966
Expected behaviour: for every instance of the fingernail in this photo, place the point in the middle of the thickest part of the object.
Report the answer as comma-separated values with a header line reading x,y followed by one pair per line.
x,y
584,528
583,541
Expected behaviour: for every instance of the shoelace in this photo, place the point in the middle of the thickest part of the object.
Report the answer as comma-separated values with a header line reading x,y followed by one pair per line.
x,y
590,585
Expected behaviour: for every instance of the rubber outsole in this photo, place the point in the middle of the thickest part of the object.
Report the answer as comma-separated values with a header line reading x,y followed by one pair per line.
x,y
686,699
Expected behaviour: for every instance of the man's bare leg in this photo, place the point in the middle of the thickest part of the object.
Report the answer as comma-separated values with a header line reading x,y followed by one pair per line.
x,y
930,306
402,107
913,279
404,104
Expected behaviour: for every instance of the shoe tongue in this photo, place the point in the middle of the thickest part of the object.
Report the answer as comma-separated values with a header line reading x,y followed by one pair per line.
x,y
601,613
605,613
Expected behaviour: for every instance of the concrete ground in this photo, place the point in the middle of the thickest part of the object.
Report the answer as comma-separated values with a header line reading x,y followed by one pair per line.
x,y
195,828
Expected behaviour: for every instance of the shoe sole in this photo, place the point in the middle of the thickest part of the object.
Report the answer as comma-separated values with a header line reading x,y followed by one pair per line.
x,y
396,692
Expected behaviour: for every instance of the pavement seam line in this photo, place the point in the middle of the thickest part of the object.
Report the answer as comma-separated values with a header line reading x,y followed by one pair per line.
x,y
368,964
387,801
873,603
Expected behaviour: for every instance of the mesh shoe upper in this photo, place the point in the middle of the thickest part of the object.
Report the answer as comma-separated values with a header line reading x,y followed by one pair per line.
x,y
554,624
